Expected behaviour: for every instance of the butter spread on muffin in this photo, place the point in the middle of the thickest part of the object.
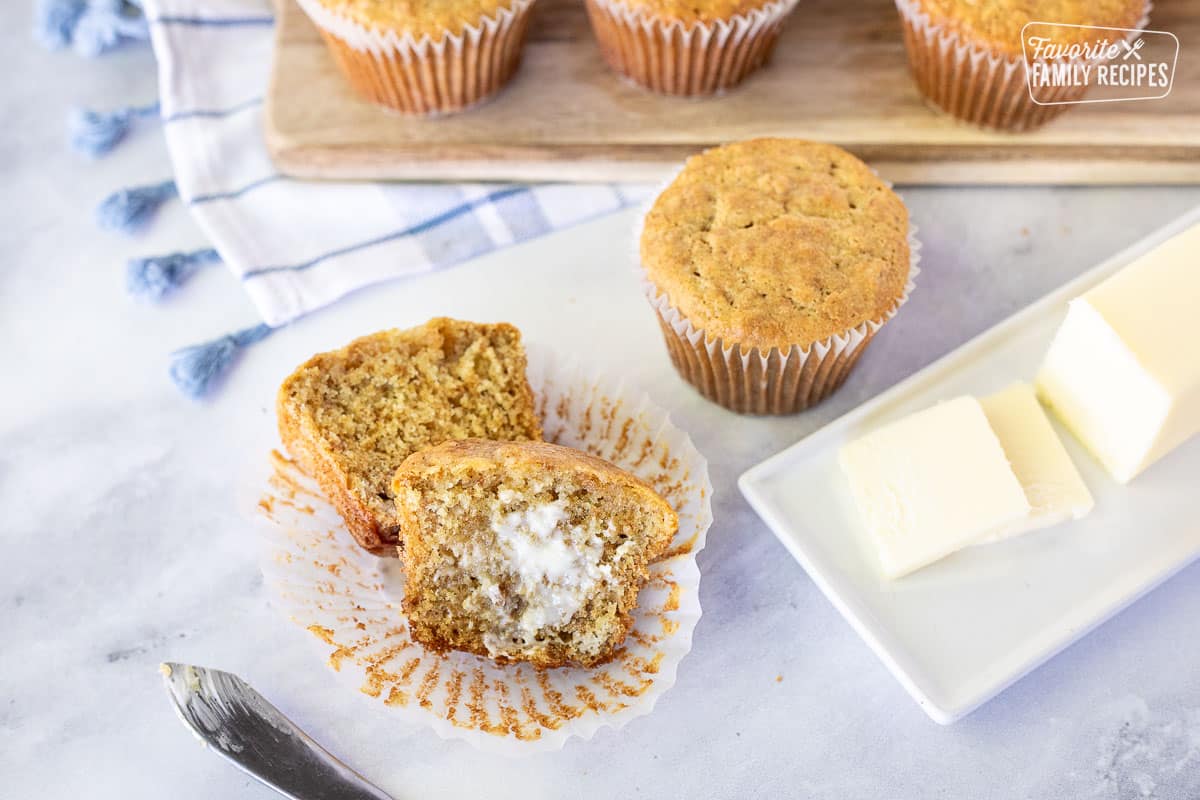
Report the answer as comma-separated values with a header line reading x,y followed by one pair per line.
x,y
525,551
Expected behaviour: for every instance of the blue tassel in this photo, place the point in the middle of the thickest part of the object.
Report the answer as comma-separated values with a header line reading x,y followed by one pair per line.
x,y
54,22
92,27
130,209
106,24
155,277
95,133
195,369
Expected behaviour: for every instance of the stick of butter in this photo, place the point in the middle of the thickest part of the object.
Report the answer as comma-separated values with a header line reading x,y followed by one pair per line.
x,y
931,483
1123,371
1052,485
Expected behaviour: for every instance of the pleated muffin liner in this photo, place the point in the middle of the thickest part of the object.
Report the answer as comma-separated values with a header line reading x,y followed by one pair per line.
x,y
425,75
681,59
350,600
749,381
977,84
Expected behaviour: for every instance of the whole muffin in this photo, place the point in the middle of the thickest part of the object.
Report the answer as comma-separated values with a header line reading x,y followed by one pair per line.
x,y
967,59
771,264
423,56
687,47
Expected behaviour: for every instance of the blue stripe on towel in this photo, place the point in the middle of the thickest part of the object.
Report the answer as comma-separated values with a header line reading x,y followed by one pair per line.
x,y
413,230
212,113
212,22
523,215
458,238
208,198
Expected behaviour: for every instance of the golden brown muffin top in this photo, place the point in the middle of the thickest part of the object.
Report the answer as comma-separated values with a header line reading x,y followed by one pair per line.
x,y
434,18
997,23
777,242
692,11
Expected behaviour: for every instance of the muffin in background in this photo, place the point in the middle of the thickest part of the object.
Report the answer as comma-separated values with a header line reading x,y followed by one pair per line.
x,y
771,264
967,59
693,48
423,57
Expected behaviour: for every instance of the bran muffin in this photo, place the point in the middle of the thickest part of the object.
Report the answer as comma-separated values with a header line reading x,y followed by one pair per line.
x,y
692,47
525,551
771,264
350,417
967,58
423,56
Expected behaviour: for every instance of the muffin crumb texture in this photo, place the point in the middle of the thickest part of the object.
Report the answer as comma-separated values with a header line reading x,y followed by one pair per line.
x,y
350,417
777,242
525,551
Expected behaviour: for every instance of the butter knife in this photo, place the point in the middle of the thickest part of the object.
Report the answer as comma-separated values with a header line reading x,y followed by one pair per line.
x,y
242,727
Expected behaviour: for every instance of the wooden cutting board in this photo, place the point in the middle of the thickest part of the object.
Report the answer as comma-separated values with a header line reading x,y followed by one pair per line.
x,y
839,74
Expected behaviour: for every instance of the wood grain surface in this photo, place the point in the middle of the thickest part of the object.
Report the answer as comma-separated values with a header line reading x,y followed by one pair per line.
x,y
839,74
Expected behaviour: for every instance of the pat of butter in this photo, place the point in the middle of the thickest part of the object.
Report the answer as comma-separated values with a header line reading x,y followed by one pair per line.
x,y
931,483
1052,485
1123,371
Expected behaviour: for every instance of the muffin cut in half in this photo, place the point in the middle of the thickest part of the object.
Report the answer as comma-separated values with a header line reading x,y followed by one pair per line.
x,y
350,417
525,551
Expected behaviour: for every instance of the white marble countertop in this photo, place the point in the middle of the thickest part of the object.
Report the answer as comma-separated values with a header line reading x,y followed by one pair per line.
x,y
124,546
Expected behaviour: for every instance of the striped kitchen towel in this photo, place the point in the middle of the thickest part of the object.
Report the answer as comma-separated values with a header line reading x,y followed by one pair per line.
x,y
297,246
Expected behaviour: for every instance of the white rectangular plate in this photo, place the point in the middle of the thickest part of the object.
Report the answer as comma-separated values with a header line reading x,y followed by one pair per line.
x,y
957,633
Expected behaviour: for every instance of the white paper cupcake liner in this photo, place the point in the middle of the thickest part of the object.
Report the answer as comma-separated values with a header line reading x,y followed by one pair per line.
x,y
976,84
750,381
425,75
680,59
350,600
